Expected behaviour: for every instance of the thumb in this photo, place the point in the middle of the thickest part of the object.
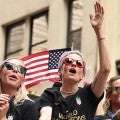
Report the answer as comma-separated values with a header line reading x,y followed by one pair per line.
x,y
91,16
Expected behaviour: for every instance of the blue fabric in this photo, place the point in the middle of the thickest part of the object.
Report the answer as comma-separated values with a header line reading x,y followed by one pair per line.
x,y
103,117
111,114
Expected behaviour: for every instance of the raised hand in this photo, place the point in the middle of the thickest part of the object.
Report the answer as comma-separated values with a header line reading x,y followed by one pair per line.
x,y
97,19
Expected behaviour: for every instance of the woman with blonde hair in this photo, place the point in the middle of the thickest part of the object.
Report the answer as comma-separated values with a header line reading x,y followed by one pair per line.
x,y
14,102
112,100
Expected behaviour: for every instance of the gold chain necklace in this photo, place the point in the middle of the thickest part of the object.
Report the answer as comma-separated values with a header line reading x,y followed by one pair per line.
x,y
65,92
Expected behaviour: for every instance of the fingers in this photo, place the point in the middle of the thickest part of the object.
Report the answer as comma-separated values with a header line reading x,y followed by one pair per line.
x,y
4,98
98,8
102,11
3,110
91,16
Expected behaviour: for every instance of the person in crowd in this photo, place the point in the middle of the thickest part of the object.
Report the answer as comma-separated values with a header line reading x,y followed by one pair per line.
x,y
112,99
14,102
68,101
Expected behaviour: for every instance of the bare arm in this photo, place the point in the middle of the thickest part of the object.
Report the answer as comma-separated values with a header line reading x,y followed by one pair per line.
x,y
99,82
46,113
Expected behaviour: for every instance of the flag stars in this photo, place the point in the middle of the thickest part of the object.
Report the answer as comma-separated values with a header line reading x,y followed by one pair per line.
x,y
54,56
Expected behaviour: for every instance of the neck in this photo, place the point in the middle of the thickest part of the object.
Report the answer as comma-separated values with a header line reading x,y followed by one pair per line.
x,y
69,92
8,91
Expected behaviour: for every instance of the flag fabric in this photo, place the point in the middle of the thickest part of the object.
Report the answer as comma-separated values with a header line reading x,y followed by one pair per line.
x,y
42,66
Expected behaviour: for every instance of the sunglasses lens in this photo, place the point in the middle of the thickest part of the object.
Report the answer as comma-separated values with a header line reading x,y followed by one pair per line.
x,y
68,60
80,63
22,70
9,66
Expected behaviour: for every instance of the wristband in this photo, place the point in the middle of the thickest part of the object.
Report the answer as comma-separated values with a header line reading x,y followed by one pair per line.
x,y
101,39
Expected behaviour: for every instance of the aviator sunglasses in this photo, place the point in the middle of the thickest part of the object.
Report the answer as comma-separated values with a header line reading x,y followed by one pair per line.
x,y
69,61
117,89
11,66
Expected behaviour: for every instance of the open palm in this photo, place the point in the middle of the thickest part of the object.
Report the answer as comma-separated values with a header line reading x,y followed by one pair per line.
x,y
97,19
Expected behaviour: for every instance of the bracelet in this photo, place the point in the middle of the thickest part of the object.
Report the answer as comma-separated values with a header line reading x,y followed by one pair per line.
x,y
101,39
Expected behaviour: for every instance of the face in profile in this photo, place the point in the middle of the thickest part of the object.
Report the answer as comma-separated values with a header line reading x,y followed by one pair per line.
x,y
13,73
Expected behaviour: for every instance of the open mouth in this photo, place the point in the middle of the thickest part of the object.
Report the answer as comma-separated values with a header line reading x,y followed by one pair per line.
x,y
13,76
72,70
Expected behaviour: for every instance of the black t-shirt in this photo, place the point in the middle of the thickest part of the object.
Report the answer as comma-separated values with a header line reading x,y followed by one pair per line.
x,y
25,111
80,106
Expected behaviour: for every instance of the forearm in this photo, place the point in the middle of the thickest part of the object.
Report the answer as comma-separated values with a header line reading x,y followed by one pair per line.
x,y
104,56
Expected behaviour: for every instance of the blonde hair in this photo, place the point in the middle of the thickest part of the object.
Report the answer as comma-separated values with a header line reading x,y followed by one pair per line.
x,y
107,104
21,94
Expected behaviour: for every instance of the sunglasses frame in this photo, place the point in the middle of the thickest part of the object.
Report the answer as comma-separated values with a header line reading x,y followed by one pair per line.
x,y
66,63
20,69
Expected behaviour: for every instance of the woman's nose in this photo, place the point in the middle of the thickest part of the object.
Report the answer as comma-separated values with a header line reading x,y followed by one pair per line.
x,y
15,69
74,63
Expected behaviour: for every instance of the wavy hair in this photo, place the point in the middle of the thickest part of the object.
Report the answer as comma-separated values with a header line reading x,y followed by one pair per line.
x,y
21,94
107,104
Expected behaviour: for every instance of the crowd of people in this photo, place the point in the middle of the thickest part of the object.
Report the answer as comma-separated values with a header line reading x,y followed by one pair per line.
x,y
65,100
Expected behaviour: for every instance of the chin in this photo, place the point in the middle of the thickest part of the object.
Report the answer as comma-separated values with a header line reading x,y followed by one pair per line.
x,y
74,79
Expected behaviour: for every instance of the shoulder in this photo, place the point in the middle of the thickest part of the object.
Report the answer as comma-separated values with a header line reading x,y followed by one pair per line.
x,y
29,110
87,92
49,94
28,103
51,91
85,88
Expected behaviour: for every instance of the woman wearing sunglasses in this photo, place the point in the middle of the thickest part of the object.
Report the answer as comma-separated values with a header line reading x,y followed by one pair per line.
x,y
68,101
112,101
14,102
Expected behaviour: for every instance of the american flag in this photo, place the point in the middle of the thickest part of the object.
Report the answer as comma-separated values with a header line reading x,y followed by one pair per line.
x,y
42,66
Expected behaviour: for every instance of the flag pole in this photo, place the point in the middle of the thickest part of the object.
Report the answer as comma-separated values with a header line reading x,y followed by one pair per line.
x,y
72,45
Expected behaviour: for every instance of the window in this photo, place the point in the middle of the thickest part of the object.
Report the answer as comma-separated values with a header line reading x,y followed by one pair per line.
x,y
39,32
14,39
75,19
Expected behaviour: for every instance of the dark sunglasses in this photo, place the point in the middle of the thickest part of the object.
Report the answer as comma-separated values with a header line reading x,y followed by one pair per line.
x,y
11,66
69,61
117,89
